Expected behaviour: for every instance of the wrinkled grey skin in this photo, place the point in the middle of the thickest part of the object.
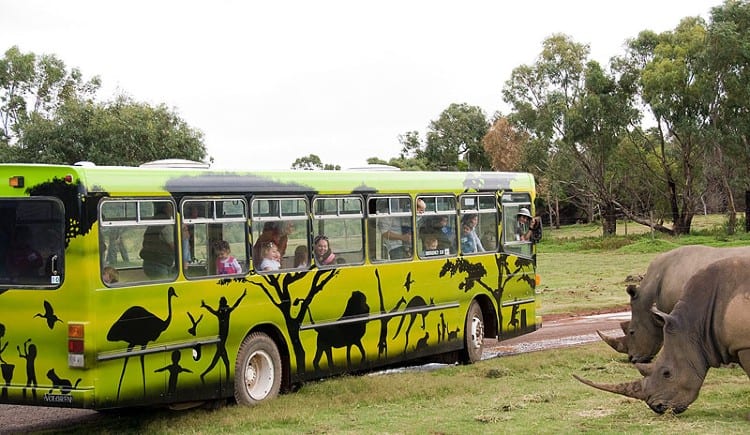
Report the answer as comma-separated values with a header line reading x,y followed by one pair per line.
x,y
708,327
662,285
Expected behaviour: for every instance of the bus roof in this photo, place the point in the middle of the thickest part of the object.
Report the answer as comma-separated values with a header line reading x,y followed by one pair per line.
x,y
123,181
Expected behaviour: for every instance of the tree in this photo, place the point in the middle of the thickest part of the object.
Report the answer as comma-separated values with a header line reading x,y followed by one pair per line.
x,y
36,85
574,114
454,140
503,145
728,60
122,132
668,73
312,162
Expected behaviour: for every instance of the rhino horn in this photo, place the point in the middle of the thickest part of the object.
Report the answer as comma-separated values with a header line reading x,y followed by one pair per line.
x,y
631,389
619,344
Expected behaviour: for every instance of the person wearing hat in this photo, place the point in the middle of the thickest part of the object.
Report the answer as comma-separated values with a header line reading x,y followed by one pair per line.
x,y
527,226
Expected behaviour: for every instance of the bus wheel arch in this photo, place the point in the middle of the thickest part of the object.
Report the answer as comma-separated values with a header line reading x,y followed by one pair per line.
x,y
260,370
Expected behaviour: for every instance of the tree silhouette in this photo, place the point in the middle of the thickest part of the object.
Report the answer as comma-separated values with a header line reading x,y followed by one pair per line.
x,y
277,288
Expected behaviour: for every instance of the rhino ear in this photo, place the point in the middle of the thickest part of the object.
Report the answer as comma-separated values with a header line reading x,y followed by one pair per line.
x,y
632,290
660,317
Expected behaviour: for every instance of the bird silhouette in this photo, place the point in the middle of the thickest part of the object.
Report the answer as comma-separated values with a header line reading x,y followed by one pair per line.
x,y
195,323
137,326
408,282
49,314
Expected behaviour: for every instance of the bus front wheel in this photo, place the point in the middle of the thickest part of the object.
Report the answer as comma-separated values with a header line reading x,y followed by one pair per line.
x,y
473,334
257,375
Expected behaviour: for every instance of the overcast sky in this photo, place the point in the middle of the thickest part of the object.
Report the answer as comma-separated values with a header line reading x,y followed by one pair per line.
x,y
270,81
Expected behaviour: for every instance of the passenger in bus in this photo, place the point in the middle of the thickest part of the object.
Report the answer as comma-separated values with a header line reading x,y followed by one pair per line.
x,y
472,219
430,245
528,228
116,246
271,257
226,264
438,226
158,245
23,260
301,258
187,256
468,244
276,232
396,235
323,254
110,275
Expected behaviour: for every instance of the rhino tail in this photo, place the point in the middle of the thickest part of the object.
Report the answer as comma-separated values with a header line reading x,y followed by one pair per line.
x,y
630,389
620,344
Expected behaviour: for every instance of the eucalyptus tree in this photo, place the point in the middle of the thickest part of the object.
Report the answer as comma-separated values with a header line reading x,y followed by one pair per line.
x,y
669,73
454,140
728,59
33,84
121,132
575,114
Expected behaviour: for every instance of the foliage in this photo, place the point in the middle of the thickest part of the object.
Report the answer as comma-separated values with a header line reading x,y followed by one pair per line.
x,y
49,115
36,85
503,145
121,132
312,162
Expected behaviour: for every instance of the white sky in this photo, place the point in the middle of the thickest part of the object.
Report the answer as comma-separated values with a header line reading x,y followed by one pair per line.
x,y
270,81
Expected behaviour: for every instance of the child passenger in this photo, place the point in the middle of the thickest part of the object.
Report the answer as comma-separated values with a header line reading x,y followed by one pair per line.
x,y
226,264
271,257
110,275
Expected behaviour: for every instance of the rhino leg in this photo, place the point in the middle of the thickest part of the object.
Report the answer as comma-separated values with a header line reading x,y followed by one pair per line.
x,y
744,357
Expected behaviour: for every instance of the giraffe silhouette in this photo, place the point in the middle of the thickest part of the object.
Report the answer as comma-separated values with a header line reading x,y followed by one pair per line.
x,y
414,303
137,326
49,314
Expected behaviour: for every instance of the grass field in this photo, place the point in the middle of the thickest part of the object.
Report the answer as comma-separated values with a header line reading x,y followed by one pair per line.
x,y
524,394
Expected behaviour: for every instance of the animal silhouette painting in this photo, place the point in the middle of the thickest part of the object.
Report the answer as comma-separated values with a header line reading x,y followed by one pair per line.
x,y
514,318
64,385
408,282
137,327
422,342
49,314
339,334
194,322
414,304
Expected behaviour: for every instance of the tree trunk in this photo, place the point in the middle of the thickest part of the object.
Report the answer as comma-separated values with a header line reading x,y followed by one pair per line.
x,y
609,219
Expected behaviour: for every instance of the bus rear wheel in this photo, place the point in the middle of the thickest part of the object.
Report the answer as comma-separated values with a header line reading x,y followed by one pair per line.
x,y
257,375
473,334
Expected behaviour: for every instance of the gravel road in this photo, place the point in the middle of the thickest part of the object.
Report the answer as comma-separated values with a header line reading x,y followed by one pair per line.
x,y
557,333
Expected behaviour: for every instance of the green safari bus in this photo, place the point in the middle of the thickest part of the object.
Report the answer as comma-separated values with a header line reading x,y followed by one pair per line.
x,y
170,286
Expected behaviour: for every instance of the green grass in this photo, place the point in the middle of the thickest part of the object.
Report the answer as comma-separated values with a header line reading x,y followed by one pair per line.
x,y
524,394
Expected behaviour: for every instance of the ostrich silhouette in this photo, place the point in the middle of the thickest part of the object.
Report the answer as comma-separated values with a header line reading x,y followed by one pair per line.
x,y
137,326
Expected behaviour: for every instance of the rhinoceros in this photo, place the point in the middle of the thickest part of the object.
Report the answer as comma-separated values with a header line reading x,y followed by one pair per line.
x,y
708,327
662,285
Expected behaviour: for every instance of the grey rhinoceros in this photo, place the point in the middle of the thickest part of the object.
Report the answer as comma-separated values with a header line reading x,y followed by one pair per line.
x,y
708,327
662,285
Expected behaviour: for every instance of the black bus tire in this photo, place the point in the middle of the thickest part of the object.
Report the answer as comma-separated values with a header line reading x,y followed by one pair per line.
x,y
257,372
473,334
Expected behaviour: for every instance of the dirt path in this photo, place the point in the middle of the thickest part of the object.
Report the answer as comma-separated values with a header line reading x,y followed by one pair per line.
x,y
555,333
